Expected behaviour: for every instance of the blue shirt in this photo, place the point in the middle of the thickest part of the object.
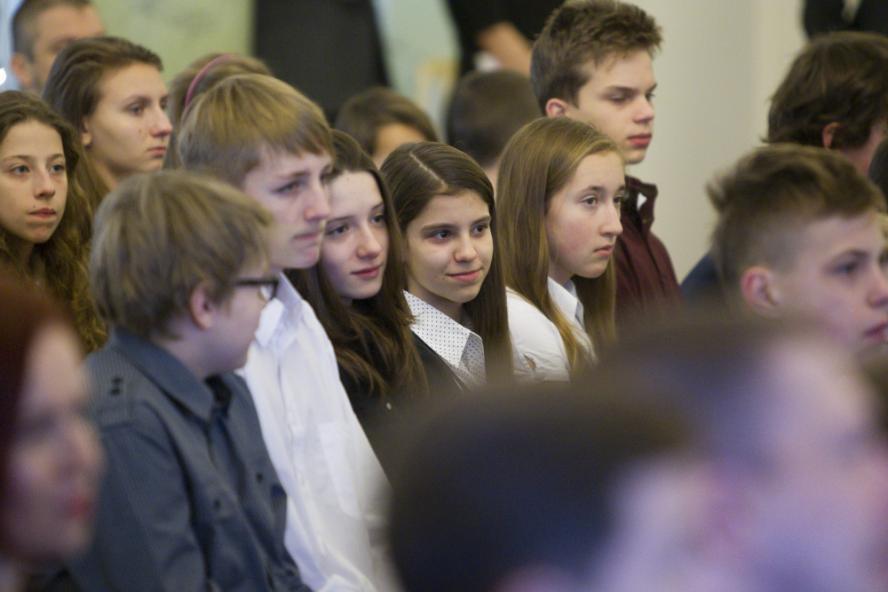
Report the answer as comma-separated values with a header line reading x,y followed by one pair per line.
x,y
190,500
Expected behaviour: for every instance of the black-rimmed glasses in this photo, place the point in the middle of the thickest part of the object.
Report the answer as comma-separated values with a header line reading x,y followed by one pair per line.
x,y
267,286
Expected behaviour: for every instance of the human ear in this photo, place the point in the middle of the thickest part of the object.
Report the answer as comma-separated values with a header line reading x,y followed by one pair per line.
x,y
85,134
556,108
759,290
828,134
201,308
21,67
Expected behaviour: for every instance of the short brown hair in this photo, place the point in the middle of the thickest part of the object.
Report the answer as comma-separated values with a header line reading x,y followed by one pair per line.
x,y
764,200
363,114
839,77
228,129
586,31
25,17
160,235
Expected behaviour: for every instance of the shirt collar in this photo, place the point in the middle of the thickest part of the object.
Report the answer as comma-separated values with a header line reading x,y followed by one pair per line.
x,y
166,371
565,298
280,315
445,336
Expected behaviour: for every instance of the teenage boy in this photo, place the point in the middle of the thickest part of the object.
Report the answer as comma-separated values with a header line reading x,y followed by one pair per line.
x,y
798,231
835,96
263,136
191,500
43,28
593,62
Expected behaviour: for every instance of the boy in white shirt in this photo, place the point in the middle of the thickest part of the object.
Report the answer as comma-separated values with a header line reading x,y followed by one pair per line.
x,y
266,138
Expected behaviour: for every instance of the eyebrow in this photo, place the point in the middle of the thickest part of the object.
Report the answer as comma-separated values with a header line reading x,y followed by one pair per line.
x,y
629,89
30,158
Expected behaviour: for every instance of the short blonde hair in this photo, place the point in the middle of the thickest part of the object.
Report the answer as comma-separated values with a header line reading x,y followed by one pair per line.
x,y
158,236
229,127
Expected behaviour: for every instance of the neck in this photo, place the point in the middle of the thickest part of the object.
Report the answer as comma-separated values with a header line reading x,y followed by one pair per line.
x,y
10,576
105,175
21,250
189,353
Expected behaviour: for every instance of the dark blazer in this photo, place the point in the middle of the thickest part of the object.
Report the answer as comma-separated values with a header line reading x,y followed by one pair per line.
x,y
190,499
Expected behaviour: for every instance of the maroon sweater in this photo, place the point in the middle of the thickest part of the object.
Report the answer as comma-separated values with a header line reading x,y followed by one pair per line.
x,y
646,281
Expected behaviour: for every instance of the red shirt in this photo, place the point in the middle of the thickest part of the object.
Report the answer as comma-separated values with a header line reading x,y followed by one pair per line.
x,y
646,281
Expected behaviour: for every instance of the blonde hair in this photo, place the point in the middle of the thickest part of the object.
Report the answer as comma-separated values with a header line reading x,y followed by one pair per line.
x,y
160,235
537,163
228,129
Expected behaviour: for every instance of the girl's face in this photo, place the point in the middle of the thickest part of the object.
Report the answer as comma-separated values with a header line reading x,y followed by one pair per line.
x,y
353,254
33,182
55,460
583,219
449,251
129,131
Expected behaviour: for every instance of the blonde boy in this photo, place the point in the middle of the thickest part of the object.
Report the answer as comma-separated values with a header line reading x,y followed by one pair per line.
x,y
593,62
263,136
191,500
799,231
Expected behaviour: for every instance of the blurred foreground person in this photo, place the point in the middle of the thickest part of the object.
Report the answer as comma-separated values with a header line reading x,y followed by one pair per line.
x,y
800,473
540,490
50,459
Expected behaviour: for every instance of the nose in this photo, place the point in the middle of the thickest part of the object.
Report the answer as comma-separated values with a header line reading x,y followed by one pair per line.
x,y
84,453
465,250
162,127
369,246
317,204
611,226
878,296
645,113
44,187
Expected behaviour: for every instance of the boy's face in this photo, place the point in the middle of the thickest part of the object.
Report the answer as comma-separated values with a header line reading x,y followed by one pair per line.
x,y
237,319
618,101
293,188
839,276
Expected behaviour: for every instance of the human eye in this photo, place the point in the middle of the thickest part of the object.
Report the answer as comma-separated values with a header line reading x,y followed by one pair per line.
x,y
336,230
650,96
618,98
19,169
440,234
58,167
847,268
378,219
291,187
327,175
480,228
591,199
163,103
136,108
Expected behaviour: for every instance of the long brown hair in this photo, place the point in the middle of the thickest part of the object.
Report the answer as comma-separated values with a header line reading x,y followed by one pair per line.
x,y
537,163
72,89
63,257
416,173
373,328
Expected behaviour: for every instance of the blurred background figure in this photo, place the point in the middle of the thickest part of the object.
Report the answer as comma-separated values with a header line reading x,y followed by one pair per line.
x,y
381,120
789,431
43,28
50,459
543,490
300,39
485,111
825,16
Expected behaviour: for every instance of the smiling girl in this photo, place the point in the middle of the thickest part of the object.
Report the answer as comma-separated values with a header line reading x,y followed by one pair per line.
x,y
40,216
356,292
445,210
559,192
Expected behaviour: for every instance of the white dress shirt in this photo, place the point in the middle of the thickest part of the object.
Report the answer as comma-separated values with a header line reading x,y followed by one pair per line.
x,y
539,351
457,345
334,483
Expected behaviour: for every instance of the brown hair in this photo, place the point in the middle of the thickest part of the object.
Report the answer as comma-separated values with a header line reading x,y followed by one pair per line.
x,y
63,256
537,163
584,32
764,200
211,68
160,235
839,77
377,328
486,110
25,17
72,89
416,173
229,128
362,115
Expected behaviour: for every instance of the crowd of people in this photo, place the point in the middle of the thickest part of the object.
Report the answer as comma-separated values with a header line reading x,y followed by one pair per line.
x,y
360,358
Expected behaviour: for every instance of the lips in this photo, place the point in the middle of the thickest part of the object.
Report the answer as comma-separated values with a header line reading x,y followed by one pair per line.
x,y
606,251
640,140
158,151
879,333
368,273
44,213
466,277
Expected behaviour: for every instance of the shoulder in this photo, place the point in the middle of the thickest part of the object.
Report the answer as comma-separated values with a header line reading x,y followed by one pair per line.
x,y
122,394
525,319
538,349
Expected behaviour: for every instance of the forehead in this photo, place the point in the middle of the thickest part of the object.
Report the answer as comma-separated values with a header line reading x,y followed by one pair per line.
x,y
278,163
132,79
354,187
825,239
55,376
66,23
630,70
463,208
604,169
29,137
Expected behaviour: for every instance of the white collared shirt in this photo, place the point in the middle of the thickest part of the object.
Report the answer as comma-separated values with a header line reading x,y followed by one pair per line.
x,y
539,351
334,483
457,345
